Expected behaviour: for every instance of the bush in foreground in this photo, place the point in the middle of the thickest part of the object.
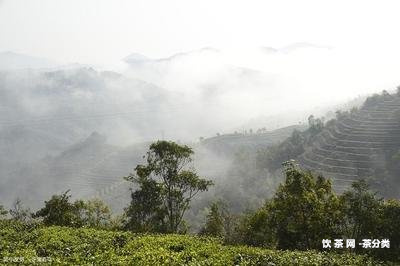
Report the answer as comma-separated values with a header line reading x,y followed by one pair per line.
x,y
85,246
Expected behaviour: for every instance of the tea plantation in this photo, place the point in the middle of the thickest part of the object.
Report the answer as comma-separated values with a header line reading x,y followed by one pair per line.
x,y
38,245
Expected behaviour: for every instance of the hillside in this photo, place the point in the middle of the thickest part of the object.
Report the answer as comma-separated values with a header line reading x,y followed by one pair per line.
x,y
358,144
94,168
231,143
90,168
83,246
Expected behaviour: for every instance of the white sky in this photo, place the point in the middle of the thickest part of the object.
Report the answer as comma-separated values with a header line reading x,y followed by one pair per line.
x,y
104,31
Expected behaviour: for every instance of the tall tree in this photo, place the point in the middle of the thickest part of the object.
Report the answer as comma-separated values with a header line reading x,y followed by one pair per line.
x,y
168,165
362,210
258,229
389,229
214,225
146,213
304,209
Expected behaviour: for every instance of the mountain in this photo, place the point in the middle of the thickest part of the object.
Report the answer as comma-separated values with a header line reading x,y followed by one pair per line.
x,y
47,116
16,61
293,48
136,58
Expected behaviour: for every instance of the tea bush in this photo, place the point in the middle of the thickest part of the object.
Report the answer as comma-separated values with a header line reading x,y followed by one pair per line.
x,y
33,244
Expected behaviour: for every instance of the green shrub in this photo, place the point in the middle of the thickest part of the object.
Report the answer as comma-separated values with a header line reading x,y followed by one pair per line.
x,y
86,246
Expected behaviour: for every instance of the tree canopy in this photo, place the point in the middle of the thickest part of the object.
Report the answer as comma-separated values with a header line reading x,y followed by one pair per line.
x,y
167,183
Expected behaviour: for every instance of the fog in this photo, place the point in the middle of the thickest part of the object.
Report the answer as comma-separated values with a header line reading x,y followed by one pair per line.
x,y
85,86
184,96
64,126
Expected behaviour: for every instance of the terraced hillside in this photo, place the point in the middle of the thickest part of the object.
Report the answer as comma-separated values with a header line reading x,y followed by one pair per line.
x,y
103,177
356,144
230,143
94,168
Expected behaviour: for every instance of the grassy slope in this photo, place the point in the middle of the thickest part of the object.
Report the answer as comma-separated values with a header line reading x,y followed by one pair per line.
x,y
70,246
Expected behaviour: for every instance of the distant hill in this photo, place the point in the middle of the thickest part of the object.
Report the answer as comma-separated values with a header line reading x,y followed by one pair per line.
x,y
94,168
357,144
90,168
361,143
231,143
16,61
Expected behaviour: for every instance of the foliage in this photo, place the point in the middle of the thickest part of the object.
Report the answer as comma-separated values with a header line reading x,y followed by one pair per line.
x,y
95,213
368,216
59,211
3,212
255,228
19,212
171,183
271,158
361,208
303,211
376,98
315,124
372,100
85,246
214,225
146,212
389,228
222,222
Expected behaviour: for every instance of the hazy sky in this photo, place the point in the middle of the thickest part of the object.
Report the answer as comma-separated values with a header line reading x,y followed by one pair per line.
x,y
354,45
104,31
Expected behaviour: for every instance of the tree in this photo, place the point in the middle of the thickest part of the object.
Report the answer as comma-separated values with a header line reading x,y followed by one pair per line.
x,y
257,229
389,229
272,157
316,124
18,212
296,138
95,213
146,213
59,211
117,222
361,208
171,181
372,100
3,212
214,225
304,210
368,216
222,222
